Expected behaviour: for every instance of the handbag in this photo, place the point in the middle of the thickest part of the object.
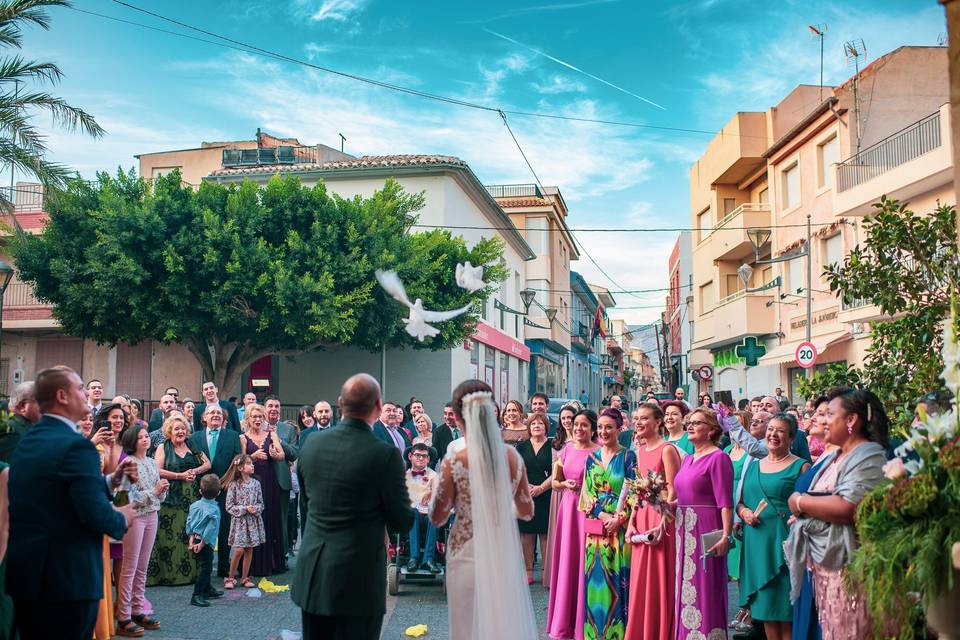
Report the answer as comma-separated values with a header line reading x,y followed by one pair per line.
x,y
594,527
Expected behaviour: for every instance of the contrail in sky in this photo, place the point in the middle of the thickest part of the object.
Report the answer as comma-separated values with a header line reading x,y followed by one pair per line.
x,y
572,68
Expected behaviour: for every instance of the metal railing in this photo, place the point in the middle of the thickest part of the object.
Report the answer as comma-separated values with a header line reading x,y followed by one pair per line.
x,y
20,294
746,207
514,191
854,304
26,197
284,154
911,142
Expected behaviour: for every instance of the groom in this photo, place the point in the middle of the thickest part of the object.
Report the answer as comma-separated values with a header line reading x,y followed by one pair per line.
x,y
353,486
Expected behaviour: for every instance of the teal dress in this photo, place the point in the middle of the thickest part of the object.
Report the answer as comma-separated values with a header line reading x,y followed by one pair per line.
x,y
736,549
683,445
765,579
607,558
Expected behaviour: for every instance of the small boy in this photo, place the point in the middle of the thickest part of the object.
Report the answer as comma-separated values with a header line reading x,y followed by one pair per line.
x,y
203,526
421,481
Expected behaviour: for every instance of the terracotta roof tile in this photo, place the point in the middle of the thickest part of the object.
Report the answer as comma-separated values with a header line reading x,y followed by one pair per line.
x,y
363,162
510,203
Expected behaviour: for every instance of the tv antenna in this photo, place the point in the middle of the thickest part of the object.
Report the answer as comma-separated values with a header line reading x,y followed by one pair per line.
x,y
343,139
819,31
942,39
855,50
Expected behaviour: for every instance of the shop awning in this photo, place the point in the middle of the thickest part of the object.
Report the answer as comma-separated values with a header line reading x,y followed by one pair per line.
x,y
786,353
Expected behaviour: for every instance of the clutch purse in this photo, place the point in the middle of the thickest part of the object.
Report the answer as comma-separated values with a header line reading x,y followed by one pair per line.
x,y
558,471
593,527
709,539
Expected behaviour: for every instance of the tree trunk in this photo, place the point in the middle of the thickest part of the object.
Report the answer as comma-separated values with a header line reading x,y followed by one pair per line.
x,y
952,8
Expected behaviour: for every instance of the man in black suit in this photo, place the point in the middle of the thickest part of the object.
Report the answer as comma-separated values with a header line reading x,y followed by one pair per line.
x,y
445,433
355,489
168,404
211,397
288,442
60,509
388,428
221,446
538,404
25,414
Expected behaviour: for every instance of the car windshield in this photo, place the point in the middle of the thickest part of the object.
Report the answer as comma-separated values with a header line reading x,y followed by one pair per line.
x,y
556,404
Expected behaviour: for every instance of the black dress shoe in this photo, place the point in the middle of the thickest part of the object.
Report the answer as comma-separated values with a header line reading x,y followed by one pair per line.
x,y
432,567
199,601
413,565
213,594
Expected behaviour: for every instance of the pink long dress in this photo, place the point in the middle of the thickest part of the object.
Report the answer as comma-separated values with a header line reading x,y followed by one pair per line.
x,y
653,568
566,609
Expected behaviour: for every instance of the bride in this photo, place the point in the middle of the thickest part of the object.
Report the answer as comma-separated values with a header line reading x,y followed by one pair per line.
x,y
485,483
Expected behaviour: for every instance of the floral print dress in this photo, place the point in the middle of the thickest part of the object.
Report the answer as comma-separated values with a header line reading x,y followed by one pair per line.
x,y
246,529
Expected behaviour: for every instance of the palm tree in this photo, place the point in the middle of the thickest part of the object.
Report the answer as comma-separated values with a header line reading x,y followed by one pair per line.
x,y
22,145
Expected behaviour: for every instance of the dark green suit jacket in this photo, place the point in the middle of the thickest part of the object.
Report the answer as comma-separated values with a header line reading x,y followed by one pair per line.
x,y
228,447
354,488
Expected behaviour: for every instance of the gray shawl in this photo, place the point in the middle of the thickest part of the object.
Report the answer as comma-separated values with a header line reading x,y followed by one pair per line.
x,y
832,545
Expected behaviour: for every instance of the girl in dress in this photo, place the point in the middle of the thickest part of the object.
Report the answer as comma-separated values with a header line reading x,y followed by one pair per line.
x,y
245,504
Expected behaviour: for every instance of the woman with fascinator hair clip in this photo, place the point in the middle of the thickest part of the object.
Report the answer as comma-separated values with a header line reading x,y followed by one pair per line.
x,y
486,483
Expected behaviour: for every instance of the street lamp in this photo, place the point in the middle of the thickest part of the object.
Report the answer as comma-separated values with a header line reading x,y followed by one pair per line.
x,y
6,274
527,295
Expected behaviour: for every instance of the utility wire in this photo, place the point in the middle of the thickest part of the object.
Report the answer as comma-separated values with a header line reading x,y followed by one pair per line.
x,y
623,229
238,45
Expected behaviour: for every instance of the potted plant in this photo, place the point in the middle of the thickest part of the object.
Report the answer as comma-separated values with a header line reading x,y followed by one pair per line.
x,y
909,525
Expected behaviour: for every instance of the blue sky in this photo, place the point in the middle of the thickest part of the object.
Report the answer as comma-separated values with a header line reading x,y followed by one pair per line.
x,y
700,61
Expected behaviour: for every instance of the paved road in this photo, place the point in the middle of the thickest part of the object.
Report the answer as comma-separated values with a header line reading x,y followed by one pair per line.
x,y
237,617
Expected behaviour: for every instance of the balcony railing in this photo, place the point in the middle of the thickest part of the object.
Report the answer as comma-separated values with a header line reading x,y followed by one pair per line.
x,y
514,191
284,154
854,304
20,294
746,207
27,198
891,152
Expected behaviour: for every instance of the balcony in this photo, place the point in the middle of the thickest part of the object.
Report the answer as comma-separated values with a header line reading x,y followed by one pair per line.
x,y
514,190
580,336
729,236
284,154
907,163
22,310
734,317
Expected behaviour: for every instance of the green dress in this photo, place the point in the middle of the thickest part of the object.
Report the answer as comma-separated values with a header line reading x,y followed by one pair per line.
x,y
733,555
172,563
765,579
6,602
683,444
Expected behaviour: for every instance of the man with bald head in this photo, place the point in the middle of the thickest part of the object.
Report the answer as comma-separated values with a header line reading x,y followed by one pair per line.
x,y
353,486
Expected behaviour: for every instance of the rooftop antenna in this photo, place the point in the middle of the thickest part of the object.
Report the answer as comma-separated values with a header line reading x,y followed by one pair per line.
x,y
819,31
854,50
942,39
342,140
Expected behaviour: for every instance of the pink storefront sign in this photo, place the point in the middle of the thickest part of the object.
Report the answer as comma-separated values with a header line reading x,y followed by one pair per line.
x,y
501,341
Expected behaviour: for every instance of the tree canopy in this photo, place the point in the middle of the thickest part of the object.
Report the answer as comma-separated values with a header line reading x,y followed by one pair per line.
x,y
907,266
238,272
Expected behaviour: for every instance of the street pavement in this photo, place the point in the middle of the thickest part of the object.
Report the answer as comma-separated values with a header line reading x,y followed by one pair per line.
x,y
239,617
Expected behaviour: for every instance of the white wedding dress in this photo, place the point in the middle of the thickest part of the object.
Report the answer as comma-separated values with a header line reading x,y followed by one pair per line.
x,y
485,484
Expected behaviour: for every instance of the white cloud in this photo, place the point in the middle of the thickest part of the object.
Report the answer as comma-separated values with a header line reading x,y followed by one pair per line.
x,y
559,84
328,10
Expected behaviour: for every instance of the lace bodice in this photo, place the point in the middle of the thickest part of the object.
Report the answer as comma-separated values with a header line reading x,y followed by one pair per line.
x,y
453,495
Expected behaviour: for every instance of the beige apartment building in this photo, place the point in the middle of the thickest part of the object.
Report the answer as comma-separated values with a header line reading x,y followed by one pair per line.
x,y
883,132
542,217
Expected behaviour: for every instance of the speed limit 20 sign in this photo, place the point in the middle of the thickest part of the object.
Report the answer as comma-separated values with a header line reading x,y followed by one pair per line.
x,y
806,354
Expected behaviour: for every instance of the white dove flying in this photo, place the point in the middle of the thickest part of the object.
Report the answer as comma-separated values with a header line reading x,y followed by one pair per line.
x,y
417,322
470,277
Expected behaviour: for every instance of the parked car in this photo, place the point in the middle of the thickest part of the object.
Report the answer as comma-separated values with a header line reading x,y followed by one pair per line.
x,y
554,406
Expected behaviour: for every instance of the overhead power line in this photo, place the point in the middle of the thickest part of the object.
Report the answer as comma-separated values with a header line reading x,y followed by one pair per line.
x,y
621,229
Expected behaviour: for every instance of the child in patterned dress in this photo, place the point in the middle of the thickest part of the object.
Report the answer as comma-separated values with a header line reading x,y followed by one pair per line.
x,y
245,504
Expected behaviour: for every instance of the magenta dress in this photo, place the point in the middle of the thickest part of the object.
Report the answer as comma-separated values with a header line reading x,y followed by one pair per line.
x,y
704,487
566,608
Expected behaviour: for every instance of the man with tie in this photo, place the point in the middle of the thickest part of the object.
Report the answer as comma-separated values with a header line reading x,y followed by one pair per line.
x,y
60,508
95,396
323,418
388,428
211,395
221,446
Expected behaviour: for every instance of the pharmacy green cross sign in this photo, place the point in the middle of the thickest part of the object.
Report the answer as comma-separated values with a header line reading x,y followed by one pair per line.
x,y
750,351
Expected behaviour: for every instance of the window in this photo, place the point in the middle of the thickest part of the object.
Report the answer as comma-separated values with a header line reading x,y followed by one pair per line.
x,y
791,186
538,232
796,276
729,204
833,249
707,298
767,275
828,155
764,195
704,223
162,171
734,283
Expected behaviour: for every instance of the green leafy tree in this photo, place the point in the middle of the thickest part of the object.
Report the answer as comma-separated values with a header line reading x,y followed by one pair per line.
x,y
238,272
22,145
908,267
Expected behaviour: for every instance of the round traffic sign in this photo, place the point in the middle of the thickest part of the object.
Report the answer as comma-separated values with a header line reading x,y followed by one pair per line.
x,y
806,354
706,372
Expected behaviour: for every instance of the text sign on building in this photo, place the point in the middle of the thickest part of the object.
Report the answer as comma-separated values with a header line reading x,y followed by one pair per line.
x,y
806,354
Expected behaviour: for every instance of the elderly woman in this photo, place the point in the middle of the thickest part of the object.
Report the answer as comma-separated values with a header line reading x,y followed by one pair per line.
x,y
537,455
766,486
823,537
704,488
173,563
423,426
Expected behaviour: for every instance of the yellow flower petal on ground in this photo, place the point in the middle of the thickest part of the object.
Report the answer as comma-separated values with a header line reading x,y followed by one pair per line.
x,y
269,587
416,630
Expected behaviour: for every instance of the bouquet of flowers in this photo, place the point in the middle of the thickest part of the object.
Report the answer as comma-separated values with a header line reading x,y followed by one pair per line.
x,y
909,524
649,489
